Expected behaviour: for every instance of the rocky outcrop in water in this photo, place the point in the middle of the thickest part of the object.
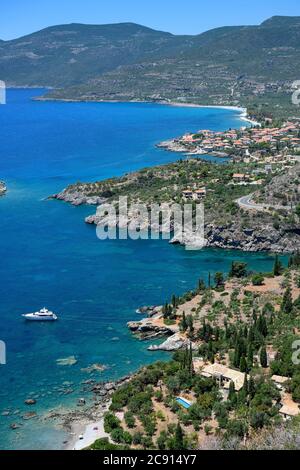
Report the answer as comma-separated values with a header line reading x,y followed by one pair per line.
x,y
148,328
150,311
3,188
173,343
78,198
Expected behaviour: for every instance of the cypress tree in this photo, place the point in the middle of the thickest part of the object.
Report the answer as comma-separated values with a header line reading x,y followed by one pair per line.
x,y
191,365
287,301
231,395
251,335
243,364
262,326
277,270
263,358
246,385
183,324
251,387
250,357
179,438
166,310
237,356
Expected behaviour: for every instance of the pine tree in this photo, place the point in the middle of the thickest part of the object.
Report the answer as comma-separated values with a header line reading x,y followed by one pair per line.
x,y
263,358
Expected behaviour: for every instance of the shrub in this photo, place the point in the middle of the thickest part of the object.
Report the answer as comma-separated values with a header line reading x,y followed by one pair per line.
x,y
137,438
111,422
258,280
104,444
129,419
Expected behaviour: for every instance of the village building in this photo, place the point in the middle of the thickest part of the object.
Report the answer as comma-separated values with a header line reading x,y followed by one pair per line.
x,y
224,375
200,194
197,195
187,194
289,408
240,178
280,381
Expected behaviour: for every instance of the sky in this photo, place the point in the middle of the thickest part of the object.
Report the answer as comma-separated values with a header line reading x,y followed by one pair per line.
x,y
21,17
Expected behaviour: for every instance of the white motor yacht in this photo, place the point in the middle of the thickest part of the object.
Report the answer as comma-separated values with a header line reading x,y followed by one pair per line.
x,y
43,315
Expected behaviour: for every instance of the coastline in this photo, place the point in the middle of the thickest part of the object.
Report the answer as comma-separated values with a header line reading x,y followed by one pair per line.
x,y
82,426
85,432
241,110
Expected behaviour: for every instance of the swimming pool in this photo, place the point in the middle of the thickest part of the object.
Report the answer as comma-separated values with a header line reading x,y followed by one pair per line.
x,y
183,402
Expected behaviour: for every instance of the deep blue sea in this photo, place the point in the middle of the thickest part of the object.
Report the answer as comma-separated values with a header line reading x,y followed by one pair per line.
x,y
50,257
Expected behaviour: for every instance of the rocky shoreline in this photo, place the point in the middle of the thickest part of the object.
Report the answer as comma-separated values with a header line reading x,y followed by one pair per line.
x,y
3,188
154,328
234,236
74,421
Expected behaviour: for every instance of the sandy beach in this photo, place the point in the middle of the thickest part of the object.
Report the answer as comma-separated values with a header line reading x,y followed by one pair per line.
x,y
243,111
84,433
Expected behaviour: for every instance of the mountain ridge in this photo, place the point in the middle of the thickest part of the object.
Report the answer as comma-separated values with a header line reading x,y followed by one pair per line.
x,y
127,61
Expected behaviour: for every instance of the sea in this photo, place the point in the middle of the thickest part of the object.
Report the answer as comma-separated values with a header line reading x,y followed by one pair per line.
x,y
50,257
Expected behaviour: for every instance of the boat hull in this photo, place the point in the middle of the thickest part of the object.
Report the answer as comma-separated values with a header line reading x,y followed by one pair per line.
x,y
35,318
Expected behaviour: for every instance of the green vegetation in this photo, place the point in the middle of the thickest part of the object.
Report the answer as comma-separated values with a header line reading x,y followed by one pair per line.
x,y
157,66
247,325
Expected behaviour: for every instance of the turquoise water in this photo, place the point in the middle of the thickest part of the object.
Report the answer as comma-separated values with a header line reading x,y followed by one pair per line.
x,y
50,257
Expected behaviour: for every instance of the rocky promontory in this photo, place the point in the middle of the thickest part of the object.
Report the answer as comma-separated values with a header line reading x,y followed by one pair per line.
x,y
226,224
150,328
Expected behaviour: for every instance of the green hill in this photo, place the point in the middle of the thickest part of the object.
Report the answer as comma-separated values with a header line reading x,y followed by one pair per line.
x,y
230,65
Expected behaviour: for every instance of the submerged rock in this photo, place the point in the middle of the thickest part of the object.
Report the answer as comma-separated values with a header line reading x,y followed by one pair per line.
x,y
67,361
30,415
149,310
15,426
30,401
94,368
